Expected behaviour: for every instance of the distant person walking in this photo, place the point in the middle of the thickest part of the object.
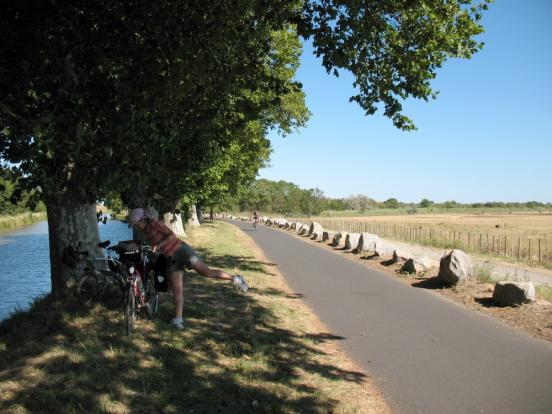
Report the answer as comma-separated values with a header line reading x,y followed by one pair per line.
x,y
179,256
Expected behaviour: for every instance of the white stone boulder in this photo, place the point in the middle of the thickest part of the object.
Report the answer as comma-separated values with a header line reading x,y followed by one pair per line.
x,y
316,230
351,241
298,226
455,267
513,293
367,242
419,264
384,248
304,230
339,239
328,235
401,256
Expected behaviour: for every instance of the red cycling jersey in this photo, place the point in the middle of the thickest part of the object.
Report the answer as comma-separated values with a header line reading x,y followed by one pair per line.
x,y
157,232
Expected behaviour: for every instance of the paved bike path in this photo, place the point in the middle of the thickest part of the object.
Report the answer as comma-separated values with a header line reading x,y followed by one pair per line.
x,y
426,354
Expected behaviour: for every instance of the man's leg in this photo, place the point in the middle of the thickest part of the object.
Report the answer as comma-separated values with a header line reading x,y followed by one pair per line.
x,y
204,270
177,288
200,267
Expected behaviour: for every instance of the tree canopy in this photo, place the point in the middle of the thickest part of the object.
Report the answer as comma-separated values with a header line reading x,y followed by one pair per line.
x,y
171,99
99,94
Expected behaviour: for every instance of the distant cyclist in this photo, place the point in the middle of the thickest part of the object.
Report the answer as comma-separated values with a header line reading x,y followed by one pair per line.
x,y
179,256
255,220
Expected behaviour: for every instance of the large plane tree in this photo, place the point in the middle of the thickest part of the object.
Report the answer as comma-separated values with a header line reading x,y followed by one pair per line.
x,y
145,99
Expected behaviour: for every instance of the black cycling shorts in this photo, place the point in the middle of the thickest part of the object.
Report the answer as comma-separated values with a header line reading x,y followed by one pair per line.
x,y
184,257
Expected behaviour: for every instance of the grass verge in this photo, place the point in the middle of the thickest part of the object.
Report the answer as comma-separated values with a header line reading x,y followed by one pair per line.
x,y
544,292
260,352
10,223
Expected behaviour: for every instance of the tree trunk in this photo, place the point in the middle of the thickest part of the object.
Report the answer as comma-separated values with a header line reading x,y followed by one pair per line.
x,y
174,222
193,221
199,211
68,224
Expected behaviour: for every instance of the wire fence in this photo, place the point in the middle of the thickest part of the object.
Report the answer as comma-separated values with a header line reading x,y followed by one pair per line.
x,y
520,248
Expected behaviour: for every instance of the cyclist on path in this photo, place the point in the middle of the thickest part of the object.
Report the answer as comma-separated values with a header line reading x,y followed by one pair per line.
x,y
179,255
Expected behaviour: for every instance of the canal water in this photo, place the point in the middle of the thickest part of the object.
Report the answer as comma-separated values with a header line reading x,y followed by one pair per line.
x,y
25,262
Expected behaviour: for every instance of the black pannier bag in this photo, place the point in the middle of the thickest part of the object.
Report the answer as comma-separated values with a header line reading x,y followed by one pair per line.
x,y
129,251
160,269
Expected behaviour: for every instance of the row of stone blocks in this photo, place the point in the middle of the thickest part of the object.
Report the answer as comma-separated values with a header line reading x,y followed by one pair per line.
x,y
454,267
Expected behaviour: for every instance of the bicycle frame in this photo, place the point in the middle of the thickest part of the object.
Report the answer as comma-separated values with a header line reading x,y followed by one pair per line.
x,y
134,280
139,294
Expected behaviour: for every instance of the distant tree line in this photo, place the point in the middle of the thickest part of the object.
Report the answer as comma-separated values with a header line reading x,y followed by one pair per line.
x,y
288,198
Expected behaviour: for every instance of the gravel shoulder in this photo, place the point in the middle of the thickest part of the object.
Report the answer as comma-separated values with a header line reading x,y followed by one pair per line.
x,y
499,270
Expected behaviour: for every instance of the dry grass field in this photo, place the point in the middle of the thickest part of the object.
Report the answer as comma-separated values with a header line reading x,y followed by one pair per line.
x,y
518,237
527,225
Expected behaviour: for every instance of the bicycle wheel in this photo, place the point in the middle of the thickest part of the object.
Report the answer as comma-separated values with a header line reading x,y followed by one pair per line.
x,y
115,289
88,290
130,310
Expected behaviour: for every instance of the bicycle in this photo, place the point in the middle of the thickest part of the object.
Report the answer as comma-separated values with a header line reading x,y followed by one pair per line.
x,y
140,292
96,282
131,273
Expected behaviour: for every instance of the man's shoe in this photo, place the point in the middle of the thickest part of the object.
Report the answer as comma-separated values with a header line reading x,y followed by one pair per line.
x,y
177,323
240,283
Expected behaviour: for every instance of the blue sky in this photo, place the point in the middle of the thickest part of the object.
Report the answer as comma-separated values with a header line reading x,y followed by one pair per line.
x,y
487,137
